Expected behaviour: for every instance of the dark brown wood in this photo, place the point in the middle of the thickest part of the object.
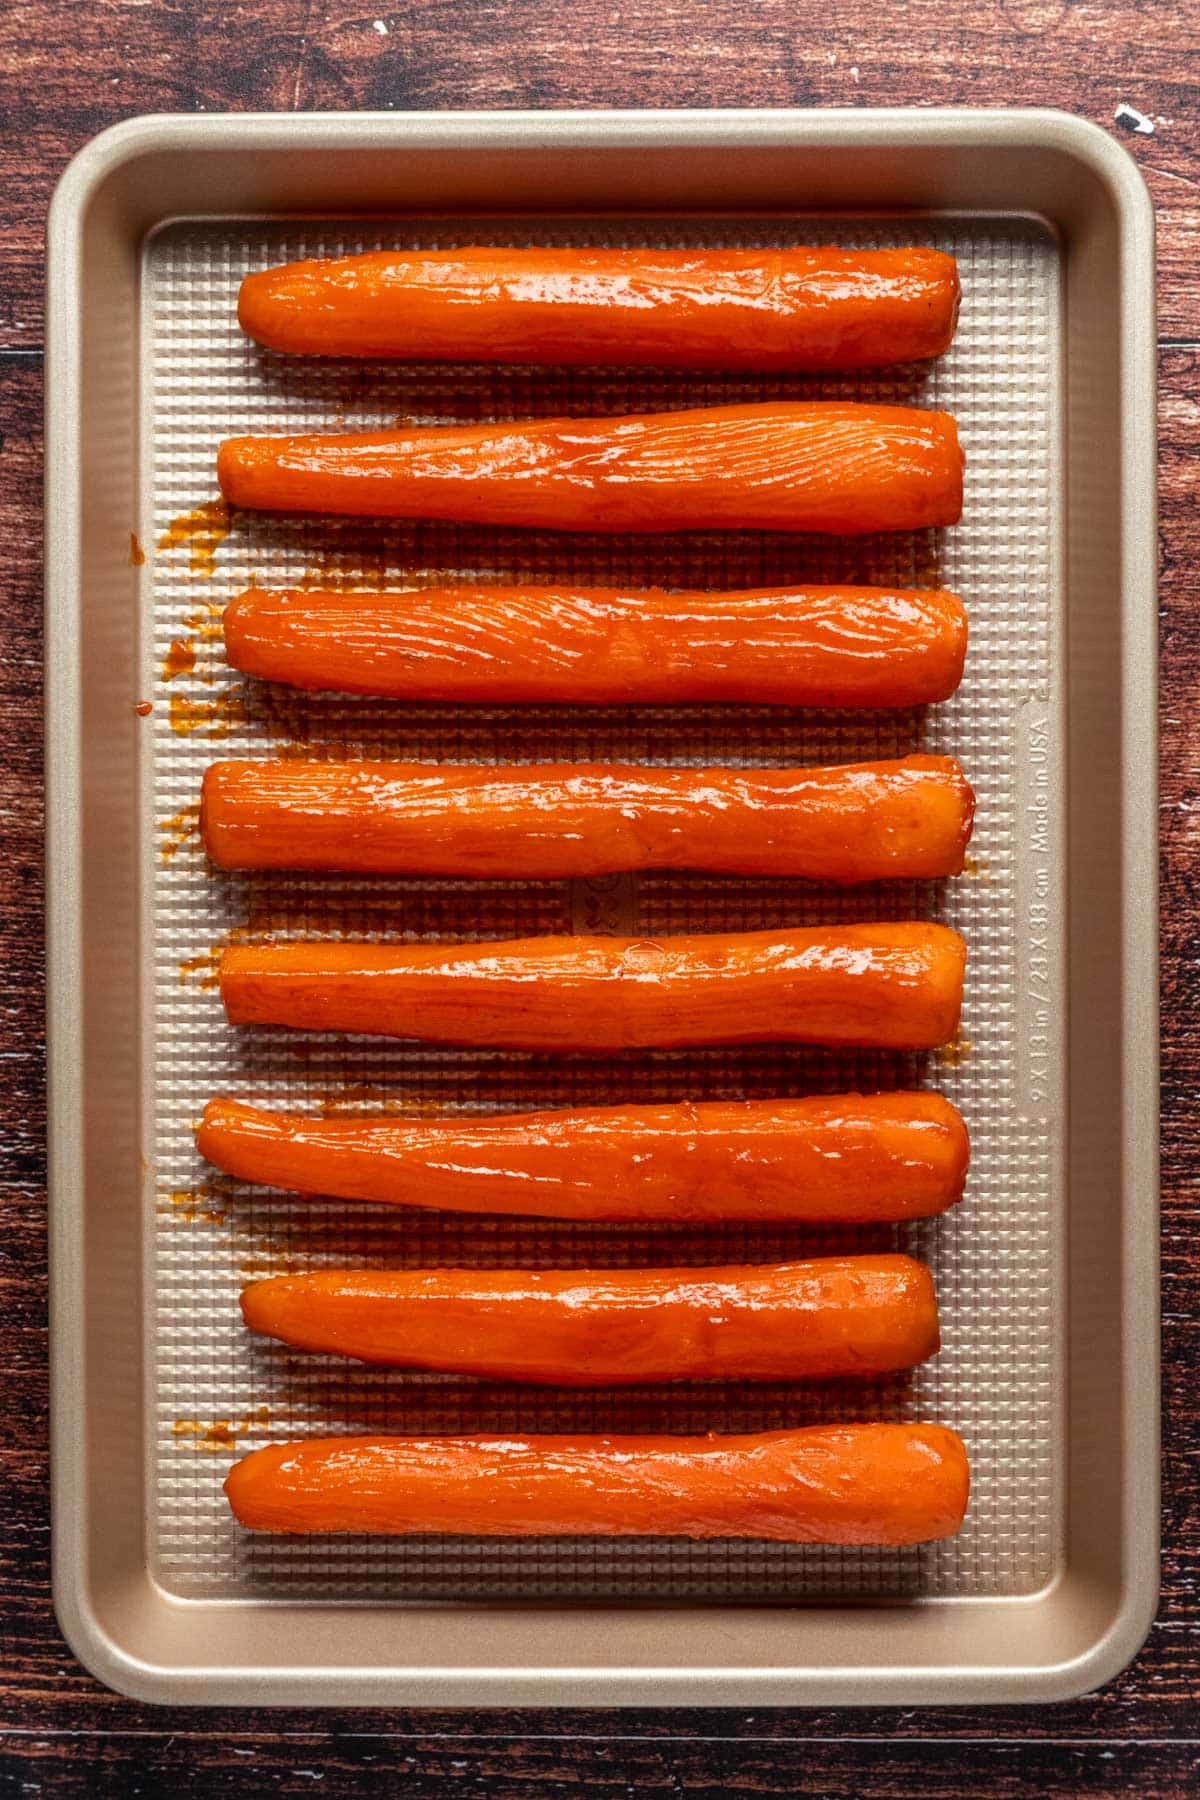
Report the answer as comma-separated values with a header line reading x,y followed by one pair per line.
x,y
67,70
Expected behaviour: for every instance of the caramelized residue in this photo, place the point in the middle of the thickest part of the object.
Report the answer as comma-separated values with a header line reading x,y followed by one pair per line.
x,y
180,659
176,830
370,577
260,1268
334,1103
209,961
207,1202
137,555
222,1434
216,718
204,621
201,625
977,865
143,707
291,749
955,1053
203,530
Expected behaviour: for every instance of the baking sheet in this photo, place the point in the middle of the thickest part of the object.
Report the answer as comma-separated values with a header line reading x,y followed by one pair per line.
x,y
997,1259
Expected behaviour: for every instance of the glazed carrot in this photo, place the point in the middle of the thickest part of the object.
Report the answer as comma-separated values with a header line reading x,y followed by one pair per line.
x,y
849,1157
861,822
823,466
833,1317
827,1484
832,646
897,985
723,309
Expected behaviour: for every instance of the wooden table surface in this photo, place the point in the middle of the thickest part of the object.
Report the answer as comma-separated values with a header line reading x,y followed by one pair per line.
x,y
67,69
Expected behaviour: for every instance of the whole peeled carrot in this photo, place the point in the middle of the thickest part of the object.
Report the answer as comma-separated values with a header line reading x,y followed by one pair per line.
x,y
833,1317
849,1157
828,646
860,822
821,466
827,1484
895,985
723,309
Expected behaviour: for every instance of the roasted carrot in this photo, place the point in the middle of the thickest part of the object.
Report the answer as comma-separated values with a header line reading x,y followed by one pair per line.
x,y
722,309
897,985
849,1157
831,646
861,822
827,1484
833,1317
823,466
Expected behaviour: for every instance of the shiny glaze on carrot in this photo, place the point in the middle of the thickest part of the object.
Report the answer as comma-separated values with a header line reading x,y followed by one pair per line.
x,y
848,1157
833,1317
810,646
827,1484
726,309
821,466
909,819
893,985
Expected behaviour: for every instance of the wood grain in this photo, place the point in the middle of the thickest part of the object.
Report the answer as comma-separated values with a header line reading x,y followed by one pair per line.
x,y
66,71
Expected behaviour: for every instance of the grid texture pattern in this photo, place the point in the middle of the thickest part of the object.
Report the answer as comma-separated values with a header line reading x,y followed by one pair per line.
x,y
217,1393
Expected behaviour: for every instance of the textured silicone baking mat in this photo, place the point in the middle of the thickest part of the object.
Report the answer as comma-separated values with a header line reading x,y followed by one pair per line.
x,y
217,1393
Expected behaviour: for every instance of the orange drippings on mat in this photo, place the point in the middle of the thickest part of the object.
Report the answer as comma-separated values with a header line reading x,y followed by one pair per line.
x,y
216,718
333,1103
290,749
200,626
205,1202
176,830
370,577
143,707
203,530
203,622
222,1434
208,961
955,1053
258,1268
137,555
180,659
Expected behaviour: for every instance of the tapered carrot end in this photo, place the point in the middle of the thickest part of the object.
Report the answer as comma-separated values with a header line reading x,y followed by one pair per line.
x,y
234,615
947,507
249,1486
236,463
210,1122
257,1312
228,986
944,1454
254,304
231,468
207,788
926,1329
958,1154
946,972
956,302
958,632
940,273
968,822
241,633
